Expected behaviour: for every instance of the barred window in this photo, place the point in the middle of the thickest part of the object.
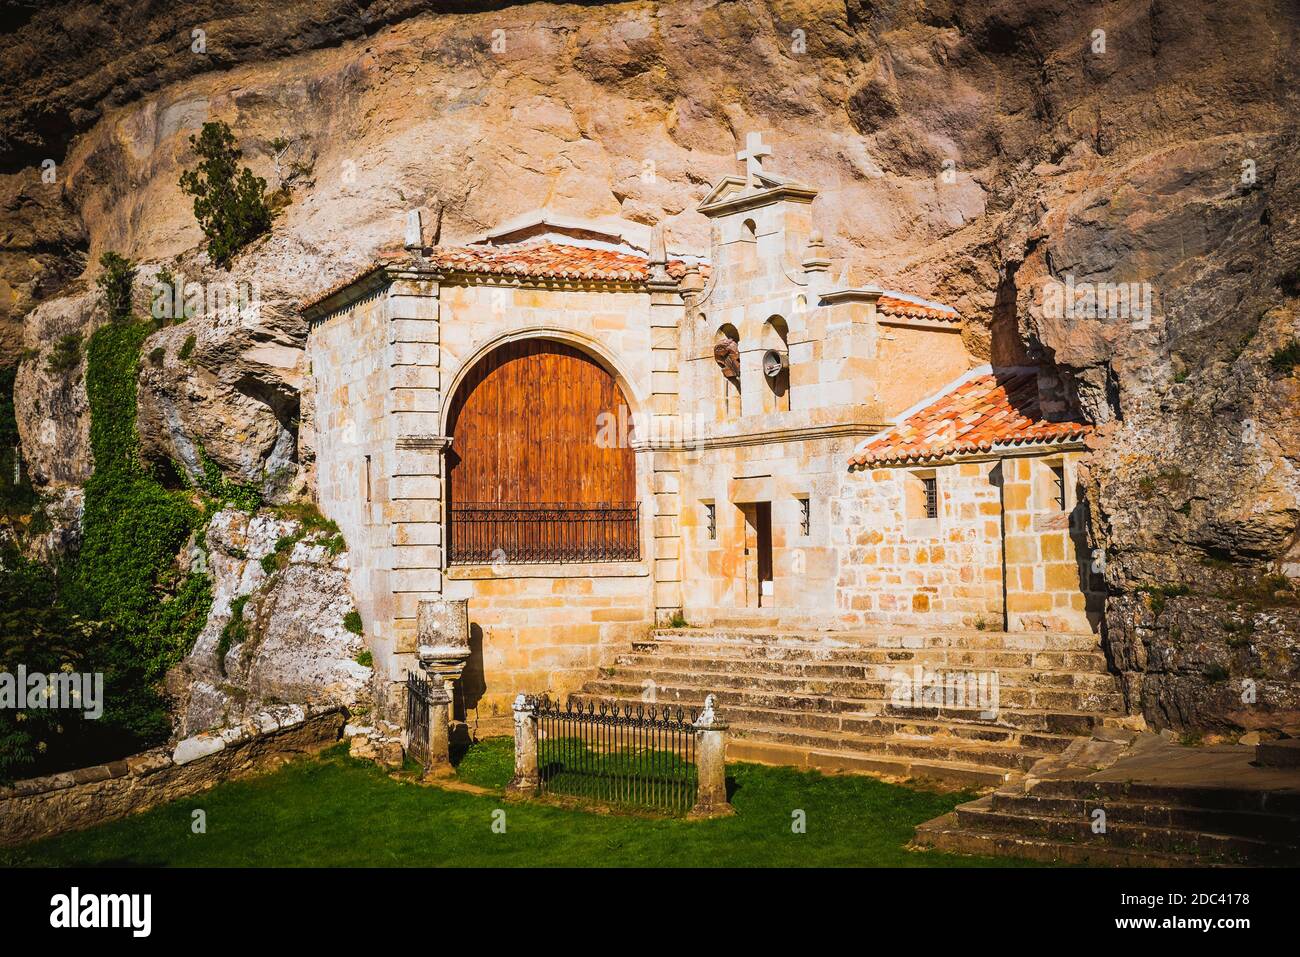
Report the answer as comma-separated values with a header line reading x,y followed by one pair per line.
x,y
1058,486
931,497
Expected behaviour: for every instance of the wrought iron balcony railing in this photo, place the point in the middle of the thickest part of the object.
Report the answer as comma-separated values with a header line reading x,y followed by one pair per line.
x,y
487,533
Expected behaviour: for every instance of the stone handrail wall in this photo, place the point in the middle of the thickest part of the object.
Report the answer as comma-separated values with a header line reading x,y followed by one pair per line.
x,y
73,800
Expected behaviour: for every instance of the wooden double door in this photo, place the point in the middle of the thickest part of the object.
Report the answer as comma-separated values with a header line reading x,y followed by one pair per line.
x,y
538,468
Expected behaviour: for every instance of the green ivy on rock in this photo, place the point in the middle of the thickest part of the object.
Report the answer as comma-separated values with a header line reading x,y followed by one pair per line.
x,y
120,606
132,526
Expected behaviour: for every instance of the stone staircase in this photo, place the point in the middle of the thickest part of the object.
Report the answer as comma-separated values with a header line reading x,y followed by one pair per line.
x,y
1164,805
825,700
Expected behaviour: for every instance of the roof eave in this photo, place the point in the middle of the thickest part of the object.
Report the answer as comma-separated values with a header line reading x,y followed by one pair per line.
x,y
997,450
740,201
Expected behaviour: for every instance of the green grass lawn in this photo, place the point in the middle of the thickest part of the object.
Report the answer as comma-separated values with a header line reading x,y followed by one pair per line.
x,y
337,811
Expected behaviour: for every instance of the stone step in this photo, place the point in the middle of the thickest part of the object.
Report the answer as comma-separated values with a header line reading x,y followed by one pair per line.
x,y
1043,743
814,657
1278,754
889,766
891,726
1004,640
1251,824
873,697
673,667
831,713
1281,803
980,815
945,834
946,750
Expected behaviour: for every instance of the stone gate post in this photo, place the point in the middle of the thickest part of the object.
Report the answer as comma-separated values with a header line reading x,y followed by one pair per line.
x,y
711,764
439,732
526,779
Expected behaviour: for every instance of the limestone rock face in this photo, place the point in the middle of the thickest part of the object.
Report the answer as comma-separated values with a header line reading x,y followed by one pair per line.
x,y
968,152
1216,664
225,382
296,650
50,404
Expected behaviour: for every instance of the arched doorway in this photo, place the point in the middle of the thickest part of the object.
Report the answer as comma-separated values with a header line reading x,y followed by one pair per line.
x,y
532,474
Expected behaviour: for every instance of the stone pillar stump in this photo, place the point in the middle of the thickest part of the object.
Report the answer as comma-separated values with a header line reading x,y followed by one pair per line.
x,y
711,765
527,778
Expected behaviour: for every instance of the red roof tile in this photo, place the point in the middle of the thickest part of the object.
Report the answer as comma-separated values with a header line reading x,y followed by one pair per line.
x,y
533,260
893,306
995,409
549,260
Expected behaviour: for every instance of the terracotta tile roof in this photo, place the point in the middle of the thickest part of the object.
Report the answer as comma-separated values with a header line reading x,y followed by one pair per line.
x,y
533,260
998,408
549,260
894,306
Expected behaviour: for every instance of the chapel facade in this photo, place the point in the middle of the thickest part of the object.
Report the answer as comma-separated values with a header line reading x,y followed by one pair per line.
x,y
585,436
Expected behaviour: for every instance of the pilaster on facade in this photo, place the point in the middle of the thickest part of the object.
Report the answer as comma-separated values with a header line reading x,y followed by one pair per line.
x,y
665,421
413,465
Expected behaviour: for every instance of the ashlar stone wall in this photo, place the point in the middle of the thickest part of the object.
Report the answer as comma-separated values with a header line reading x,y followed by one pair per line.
x,y
1051,583
898,567
1004,550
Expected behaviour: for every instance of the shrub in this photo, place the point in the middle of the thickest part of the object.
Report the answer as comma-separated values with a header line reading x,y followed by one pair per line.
x,y
1159,593
352,622
66,354
308,515
1216,673
279,557
36,632
187,347
229,202
1285,359
245,497
115,284
365,658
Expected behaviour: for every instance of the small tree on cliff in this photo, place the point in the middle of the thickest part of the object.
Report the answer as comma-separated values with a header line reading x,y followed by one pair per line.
x,y
115,284
229,202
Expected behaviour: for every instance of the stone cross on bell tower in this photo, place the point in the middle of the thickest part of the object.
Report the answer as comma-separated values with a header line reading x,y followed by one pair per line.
x,y
753,153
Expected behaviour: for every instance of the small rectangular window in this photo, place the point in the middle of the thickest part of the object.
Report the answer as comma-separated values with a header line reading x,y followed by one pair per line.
x,y
931,486
1058,486
711,520
367,478
805,517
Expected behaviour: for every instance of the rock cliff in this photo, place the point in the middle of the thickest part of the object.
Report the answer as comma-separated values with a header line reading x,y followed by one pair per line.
x,y
276,633
971,152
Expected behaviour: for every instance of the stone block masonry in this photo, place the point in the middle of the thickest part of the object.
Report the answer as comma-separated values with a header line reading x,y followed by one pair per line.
x,y
898,566
74,800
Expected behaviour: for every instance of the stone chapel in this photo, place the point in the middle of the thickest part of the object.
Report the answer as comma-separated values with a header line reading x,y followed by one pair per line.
x,y
587,437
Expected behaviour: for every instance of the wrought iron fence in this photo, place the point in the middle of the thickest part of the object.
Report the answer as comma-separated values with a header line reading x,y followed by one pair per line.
x,y
618,752
418,692
483,533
